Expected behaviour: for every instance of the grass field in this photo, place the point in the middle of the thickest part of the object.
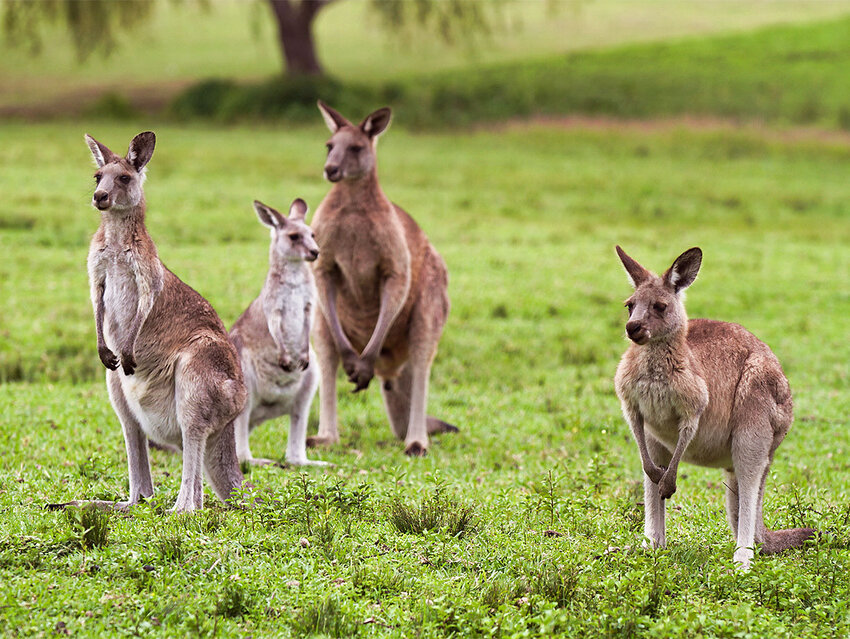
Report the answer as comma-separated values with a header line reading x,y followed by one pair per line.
x,y
235,39
526,217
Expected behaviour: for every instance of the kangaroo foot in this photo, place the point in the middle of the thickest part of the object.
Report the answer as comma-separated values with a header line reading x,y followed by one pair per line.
x,y
436,426
317,441
415,449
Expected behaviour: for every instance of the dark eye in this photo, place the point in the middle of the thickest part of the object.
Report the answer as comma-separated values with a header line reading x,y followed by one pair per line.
x,y
97,177
329,146
356,148
124,179
294,237
659,306
630,305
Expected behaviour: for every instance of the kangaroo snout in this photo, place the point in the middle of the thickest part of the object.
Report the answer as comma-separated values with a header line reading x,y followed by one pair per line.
x,y
636,332
314,254
101,199
333,173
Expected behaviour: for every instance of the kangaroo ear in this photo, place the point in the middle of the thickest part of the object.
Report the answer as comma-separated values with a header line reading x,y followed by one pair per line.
x,y
333,119
269,216
637,274
684,270
141,150
100,152
376,123
298,210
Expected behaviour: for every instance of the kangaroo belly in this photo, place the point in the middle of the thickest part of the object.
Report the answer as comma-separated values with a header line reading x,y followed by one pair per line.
x,y
152,402
120,299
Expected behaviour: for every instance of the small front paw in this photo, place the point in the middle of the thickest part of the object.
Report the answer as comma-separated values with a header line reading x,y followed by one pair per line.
x,y
362,375
107,357
667,486
655,473
287,363
128,363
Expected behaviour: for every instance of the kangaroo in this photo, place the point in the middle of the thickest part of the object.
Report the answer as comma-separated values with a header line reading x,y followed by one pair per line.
x,y
172,374
272,336
382,289
707,392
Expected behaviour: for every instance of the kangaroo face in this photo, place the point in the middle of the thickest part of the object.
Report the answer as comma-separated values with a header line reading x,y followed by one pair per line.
x,y
351,155
118,180
655,312
292,239
118,186
351,148
295,242
657,308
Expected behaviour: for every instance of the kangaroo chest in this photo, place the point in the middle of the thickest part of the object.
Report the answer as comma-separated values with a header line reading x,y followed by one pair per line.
x,y
120,295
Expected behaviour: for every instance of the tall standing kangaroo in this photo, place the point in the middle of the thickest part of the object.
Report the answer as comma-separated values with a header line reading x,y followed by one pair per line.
x,y
272,336
707,392
382,289
173,376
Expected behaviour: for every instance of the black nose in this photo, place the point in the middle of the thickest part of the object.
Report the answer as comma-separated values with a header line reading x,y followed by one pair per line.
x,y
332,172
314,253
101,196
633,328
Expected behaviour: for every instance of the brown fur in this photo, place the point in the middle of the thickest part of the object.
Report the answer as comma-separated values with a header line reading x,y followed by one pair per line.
x,y
382,288
707,392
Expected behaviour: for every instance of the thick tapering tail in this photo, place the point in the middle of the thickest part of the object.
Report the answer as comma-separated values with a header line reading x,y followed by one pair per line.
x,y
774,541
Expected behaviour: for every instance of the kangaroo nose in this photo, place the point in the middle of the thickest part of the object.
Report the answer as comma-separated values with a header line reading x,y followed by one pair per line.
x,y
332,172
633,328
101,196
314,253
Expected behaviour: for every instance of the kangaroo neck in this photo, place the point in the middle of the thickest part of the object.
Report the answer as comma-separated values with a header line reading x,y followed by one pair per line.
x,y
122,228
667,355
363,189
285,273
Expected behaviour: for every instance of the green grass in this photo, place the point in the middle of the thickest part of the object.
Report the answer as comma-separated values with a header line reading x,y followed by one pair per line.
x,y
526,218
237,40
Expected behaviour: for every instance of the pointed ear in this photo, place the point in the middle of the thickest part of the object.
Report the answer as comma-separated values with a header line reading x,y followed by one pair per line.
x,y
141,150
333,119
269,216
684,270
376,123
637,274
100,152
298,210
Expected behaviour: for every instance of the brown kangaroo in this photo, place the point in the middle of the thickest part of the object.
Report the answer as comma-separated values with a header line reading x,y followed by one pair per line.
x,y
382,289
707,392
179,382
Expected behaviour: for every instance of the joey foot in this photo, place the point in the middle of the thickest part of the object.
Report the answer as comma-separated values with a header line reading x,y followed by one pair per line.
x,y
415,449
316,441
291,365
107,357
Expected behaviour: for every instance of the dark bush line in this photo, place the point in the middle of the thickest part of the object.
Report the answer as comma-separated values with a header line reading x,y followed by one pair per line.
x,y
768,74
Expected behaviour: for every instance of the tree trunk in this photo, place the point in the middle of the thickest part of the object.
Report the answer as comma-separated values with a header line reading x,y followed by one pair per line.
x,y
295,34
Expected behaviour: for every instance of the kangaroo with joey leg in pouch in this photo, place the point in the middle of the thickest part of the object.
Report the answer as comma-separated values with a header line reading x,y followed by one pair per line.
x,y
706,392
382,289
272,336
172,374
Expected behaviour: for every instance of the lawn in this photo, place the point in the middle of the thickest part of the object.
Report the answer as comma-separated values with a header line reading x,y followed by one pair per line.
x,y
526,217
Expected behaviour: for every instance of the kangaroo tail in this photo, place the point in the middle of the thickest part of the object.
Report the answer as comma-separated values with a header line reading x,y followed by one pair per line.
x,y
778,540
439,426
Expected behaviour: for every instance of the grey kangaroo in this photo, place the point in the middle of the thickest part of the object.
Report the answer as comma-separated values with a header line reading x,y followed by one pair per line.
x,y
272,336
382,289
172,374
707,392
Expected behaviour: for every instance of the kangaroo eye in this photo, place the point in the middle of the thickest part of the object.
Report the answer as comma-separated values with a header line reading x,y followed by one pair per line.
x,y
329,146
630,306
97,177
124,179
356,148
294,237
659,306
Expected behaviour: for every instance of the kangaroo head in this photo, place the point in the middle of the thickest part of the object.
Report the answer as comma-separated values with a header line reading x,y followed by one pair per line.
x,y
292,239
351,148
657,307
118,181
